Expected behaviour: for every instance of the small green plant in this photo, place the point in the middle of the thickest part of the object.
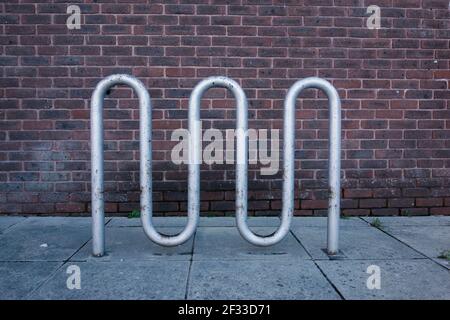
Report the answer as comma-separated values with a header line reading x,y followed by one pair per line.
x,y
376,223
345,217
445,255
134,214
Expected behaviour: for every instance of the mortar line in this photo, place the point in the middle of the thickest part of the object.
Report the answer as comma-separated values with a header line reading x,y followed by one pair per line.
x,y
301,244
409,246
50,276
186,292
329,280
14,224
318,267
64,262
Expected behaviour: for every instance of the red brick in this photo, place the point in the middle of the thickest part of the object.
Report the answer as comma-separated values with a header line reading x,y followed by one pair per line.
x,y
429,202
358,193
393,86
372,203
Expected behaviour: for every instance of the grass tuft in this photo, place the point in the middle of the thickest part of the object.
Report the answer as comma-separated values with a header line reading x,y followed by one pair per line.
x,y
134,214
376,223
445,255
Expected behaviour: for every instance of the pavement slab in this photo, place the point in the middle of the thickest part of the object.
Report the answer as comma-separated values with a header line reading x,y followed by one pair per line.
x,y
354,243
227,243
259,279
18,279
128,280
231,221
217,263
9,221
350,222
411,221
399,279
121,222
124,244
203,222
44,239
431,241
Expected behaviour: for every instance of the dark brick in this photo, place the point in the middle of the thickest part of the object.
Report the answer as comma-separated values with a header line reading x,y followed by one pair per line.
x,y
393,84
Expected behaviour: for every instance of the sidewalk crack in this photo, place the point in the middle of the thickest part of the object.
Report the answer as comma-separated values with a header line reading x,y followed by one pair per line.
x,y
186,292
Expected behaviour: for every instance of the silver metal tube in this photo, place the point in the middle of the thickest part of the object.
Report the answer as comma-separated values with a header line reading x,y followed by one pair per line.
x,y
241,158
98,96
193,182
334,149
195,160
97,188
145,147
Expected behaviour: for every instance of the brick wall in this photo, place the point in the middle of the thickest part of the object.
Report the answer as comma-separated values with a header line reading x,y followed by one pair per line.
x,y
394,85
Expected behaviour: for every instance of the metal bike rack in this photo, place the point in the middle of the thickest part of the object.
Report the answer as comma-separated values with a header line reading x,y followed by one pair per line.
x,y
145,148
241,160
334,149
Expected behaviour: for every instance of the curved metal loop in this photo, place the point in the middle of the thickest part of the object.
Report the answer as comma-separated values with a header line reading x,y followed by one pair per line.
x,y
145,148
241,157
334,149
195,158
241,191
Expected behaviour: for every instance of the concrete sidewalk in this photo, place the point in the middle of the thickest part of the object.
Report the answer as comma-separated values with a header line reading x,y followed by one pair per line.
x,y
36,252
